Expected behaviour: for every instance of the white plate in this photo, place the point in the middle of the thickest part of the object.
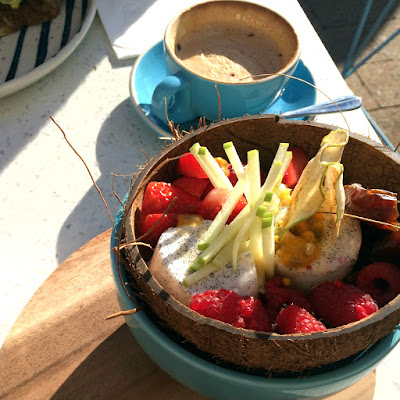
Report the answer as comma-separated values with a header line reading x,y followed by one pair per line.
x,y
31,53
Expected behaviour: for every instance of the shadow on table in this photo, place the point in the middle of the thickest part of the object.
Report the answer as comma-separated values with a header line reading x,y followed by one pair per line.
x,y
122,145
62,347
50,98
119,369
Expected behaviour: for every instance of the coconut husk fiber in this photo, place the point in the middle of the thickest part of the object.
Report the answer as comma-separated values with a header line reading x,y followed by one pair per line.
x,y
365,162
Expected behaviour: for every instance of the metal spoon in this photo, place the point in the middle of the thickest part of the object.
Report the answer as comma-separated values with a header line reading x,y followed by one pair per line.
x,y
345,103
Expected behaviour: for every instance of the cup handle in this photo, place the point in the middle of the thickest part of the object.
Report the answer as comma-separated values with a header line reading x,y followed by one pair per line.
x,y
175,91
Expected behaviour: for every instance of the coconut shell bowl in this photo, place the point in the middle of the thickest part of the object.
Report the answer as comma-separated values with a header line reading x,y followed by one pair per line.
x,y
217,359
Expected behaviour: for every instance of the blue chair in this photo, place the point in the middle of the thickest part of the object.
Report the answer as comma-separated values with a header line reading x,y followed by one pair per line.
x,y
355,51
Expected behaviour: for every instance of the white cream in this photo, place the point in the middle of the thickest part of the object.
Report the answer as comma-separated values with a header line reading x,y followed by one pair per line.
x,y
177,248
336,259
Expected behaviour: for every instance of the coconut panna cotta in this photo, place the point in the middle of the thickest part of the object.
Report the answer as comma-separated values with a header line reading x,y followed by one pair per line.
x,y
335,259
324,245
177,249
300,235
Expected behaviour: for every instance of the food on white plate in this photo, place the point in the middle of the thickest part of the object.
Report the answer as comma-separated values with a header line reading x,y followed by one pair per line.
x,y
15,14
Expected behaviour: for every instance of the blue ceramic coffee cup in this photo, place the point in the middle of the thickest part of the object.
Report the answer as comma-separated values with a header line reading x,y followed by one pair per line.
x,y
226,59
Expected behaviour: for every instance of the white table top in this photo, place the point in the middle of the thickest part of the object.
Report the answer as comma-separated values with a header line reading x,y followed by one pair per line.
x,y
49,205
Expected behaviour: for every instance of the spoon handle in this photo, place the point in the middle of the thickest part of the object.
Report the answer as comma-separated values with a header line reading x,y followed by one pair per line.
x,y
345,103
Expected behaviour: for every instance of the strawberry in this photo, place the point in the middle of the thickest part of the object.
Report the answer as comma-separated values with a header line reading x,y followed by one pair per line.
x,y
381,280
207,190
294,319
295,168
338,303
147,221
213,202
194,186
187,165
159,195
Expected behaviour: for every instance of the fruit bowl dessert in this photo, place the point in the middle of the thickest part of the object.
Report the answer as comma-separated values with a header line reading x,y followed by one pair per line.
x,y
274,260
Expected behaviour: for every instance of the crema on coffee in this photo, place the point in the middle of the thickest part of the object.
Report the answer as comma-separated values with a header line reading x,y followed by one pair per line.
x,y
229,53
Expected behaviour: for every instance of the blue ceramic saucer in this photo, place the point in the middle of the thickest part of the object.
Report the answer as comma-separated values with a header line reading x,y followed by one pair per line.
x,y
150,68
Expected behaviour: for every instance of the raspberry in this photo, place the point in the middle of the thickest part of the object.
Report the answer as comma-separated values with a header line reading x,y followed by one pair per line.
x,y
227,306
338,303
255,315
278,295
381,280
294,319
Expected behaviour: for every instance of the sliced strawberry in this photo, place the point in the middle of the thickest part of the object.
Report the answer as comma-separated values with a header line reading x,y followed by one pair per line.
x,y
187,165
147,221
194,186
207,190
295,168
214,201
159,195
